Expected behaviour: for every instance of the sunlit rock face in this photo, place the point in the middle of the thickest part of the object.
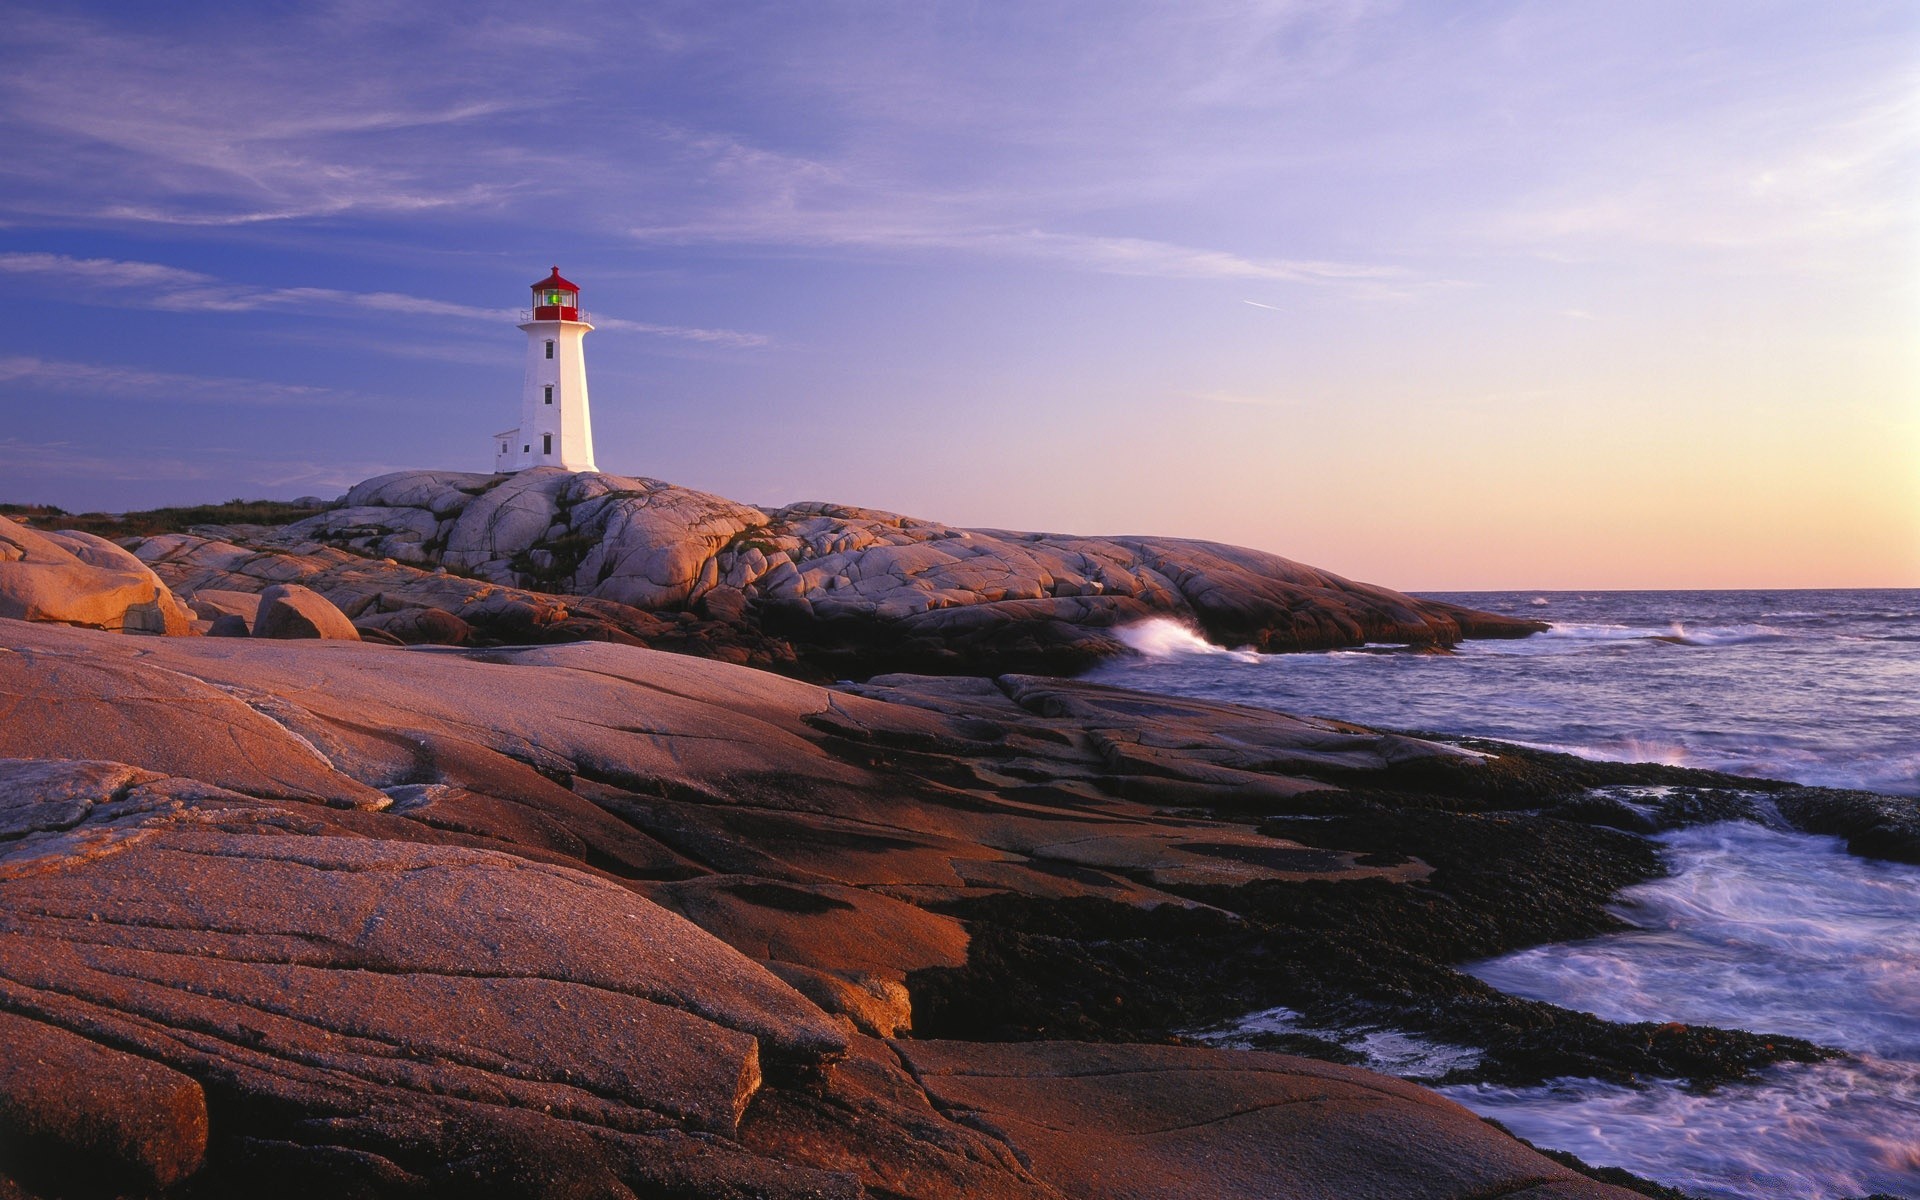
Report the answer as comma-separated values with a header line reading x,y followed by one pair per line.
x,y
846,591
288,610
75,578
593,920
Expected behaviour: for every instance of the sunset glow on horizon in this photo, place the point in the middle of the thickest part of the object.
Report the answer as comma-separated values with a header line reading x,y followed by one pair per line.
x,y
1444,297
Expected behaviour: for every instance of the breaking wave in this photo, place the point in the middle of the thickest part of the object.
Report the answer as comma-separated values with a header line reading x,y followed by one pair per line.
x,y
1814,687
1164,637
1762,930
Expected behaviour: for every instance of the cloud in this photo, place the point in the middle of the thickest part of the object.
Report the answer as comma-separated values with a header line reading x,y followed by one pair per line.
x,y
149,129
103,379
1141,256
1105,254
172,289
1796,173
718,337
918,144
1327,143
64,463
102,272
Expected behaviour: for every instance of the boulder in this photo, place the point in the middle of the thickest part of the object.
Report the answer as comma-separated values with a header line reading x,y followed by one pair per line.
x,y
505,521
228,625
419,626
76,578
210,604
160,616
442,493
406,534
288,610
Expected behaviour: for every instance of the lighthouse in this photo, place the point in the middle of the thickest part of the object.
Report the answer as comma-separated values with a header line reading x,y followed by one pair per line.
x,y
554,429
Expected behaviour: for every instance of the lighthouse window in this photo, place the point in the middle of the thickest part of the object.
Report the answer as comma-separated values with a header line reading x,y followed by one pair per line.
x,y
546,443
549,393
549,349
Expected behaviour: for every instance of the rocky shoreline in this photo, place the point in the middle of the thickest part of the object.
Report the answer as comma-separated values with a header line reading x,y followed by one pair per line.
x,y
335,916
819,590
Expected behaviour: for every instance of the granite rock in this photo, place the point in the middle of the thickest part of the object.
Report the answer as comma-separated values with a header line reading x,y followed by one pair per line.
x,y
288,610
589,919
74,578
831,590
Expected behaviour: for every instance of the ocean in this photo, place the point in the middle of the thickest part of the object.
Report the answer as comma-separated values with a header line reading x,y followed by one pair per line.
x,y
1756,927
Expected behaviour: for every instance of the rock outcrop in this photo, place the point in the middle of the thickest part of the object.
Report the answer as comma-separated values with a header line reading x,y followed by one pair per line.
x,y
288,610
588,920
74,578
846,591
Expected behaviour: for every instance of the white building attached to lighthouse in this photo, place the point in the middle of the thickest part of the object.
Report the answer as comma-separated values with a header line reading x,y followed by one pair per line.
x,y
554,430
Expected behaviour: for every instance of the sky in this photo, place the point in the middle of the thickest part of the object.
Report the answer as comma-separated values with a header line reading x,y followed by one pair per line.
x,y
1443,295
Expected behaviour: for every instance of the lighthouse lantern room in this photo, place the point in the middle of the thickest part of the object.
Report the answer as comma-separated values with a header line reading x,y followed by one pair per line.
x,y
555,429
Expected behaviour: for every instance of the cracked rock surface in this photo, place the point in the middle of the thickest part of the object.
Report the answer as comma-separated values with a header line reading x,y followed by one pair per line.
x,y
334,918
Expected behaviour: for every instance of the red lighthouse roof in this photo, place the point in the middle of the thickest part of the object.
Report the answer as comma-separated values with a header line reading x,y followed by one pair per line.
x,y
555,281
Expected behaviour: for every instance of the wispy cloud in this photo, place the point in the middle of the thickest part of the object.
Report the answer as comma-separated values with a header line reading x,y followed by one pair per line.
x,y
22,372
688,333
1107,254
30,463
153,134
393,119
1803,171
102,272
173,289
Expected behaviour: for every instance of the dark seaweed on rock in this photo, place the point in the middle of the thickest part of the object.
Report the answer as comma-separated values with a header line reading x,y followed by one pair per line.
x,y
1345,952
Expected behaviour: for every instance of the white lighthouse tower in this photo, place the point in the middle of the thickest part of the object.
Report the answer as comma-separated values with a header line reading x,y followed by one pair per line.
x,y
554,430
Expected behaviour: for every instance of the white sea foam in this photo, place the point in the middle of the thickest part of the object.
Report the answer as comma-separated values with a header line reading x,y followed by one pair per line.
x,y
1814,1132
1390,1051
1756,929
1573,637
1164,637
1728,635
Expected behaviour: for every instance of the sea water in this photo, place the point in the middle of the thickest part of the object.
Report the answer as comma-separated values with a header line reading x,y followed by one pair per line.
x,y
1816,686
1756,927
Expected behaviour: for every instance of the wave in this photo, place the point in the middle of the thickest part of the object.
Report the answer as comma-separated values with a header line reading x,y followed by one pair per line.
x,y
1822,1131
1384,1049
1756,929
1164,637
1724,635
1866,767
1572,637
